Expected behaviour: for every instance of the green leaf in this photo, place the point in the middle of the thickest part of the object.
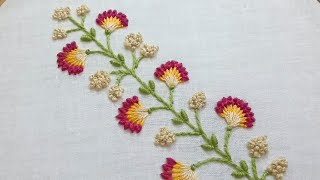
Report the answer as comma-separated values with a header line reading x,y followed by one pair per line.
x,y
121,57
238,174
117,72
115,63
207,147
214,140
93,32
244,165
144,90
152,85
184,115
86,38
177,121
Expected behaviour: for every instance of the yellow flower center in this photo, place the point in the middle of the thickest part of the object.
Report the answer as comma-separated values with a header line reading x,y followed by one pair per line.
x,y
137,113
76,57
234,116
171,77
111,23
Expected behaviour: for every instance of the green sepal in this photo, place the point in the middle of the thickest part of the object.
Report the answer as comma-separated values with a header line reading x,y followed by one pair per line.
x,y
238,174
184,115
152,85
121,57
144,90
214,140
176,120
93,32
244,165
207,147
86,38
115,63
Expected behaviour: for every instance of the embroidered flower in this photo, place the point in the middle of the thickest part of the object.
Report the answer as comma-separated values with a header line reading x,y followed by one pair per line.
x,y
133,41
149,51
115,92
111,20
82,10
61,13
174,170
99,80
198,100
236,112
59,34
172,73
165,137
72,59
132,114
278,167
258,146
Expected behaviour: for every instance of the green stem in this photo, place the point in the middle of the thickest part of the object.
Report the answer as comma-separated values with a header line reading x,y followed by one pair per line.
x,y
254,169
203,134
226,141
82,28
171,91
152,109
73,30
108,43
187,134
264,175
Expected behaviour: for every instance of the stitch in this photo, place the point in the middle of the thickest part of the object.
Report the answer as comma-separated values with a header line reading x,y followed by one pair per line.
x,y
59,33
61,13
132,114
175,170
99,80
165,137
82,10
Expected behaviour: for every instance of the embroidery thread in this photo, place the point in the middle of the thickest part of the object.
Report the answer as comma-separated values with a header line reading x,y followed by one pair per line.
x,y
132,115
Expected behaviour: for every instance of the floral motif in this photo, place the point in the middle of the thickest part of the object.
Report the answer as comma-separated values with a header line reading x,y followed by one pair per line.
x,y
111,20
82,10
165,137
61,13
278,167
115,92
236,112
133,41
172,73
258,146
149,51
132,114
99,80
59,34
175,170
198,100
72,59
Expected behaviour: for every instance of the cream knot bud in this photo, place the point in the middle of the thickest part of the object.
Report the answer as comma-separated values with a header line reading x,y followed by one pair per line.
x,y
258,146
149,51
165,137
82,10
61,13
198,100
59,34
133,41
115,92
278,167
99,80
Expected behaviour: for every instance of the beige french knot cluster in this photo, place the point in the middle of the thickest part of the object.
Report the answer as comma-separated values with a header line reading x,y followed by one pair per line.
x,y
133,41
165,137
278,167
99,80
61,13
115,92
198,100
82,10
149,51
258,146
59,34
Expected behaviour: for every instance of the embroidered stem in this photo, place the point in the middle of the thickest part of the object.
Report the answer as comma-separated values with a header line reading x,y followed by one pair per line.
x,y
203,134
254,168
73,30
187,134
264,175
226,142
150,110
171,91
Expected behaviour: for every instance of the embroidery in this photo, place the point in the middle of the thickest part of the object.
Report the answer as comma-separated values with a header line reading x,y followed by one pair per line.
x,y
132,114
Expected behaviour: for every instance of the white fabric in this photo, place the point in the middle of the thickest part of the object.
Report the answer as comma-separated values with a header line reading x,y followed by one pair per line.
x,y
266,52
